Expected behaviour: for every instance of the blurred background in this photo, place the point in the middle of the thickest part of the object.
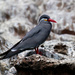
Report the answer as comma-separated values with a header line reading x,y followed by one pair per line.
x,y
17,17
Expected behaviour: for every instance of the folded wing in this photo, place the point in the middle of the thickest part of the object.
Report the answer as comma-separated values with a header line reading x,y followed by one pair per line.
x,y
18,47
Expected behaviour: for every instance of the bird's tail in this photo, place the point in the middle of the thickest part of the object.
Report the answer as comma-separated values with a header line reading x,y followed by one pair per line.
x,y
9,53
12,51
3,55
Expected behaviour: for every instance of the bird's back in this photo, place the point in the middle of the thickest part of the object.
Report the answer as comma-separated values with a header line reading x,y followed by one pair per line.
x,y
42,32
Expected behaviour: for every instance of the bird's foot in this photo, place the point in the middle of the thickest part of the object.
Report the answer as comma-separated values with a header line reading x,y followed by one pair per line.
x,y
40,53
37,51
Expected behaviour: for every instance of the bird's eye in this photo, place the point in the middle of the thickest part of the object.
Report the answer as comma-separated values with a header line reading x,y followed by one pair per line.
x,y
45,19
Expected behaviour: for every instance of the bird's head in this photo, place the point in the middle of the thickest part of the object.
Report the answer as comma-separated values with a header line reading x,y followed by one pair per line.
x,y
47,18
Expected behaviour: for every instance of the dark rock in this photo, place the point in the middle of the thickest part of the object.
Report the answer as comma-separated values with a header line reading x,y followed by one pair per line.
x,y
40,65
60,48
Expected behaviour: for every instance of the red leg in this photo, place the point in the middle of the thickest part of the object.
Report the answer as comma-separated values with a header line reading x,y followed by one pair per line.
x,y
36,50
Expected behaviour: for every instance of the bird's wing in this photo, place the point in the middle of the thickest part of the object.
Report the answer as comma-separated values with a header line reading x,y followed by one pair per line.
x,y
31,33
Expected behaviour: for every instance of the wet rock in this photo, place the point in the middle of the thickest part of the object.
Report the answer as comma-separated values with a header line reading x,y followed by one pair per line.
x,y
4,66
60,48
41,65
12,71
34,62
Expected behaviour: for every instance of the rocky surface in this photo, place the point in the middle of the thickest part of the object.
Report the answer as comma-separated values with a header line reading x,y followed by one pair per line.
x,y
40,65
57,58
17,17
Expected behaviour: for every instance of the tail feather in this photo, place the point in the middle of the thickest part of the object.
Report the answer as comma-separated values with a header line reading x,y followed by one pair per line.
x,y
9,54
4,53
10,49
2,57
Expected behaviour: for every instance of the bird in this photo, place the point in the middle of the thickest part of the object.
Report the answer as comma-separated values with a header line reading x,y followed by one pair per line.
x,y
33,39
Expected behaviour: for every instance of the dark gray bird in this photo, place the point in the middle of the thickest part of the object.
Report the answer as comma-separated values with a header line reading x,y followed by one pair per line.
x,y
32,39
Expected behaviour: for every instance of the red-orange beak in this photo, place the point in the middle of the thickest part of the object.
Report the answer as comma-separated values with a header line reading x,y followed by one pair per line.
x,y
51,20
